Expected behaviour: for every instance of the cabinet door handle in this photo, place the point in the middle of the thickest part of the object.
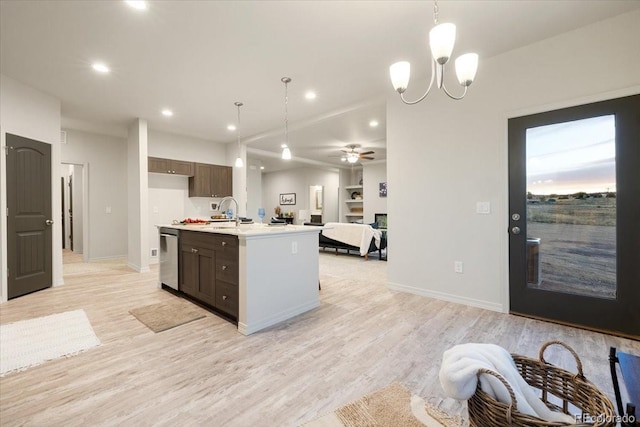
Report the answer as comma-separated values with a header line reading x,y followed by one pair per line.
x,y
224,243
224,267
194,250
224,297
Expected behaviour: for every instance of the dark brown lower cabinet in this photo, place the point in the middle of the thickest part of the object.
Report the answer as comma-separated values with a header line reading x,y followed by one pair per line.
x,y
209,270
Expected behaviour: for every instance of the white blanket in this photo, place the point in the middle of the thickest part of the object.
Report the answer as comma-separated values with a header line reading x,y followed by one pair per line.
x,y
358,235
458,377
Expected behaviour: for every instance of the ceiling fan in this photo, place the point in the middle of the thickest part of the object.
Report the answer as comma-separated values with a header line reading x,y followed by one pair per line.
x,y
352,156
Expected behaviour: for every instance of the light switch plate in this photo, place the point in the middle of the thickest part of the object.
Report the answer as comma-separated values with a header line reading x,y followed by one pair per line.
x,y
483,207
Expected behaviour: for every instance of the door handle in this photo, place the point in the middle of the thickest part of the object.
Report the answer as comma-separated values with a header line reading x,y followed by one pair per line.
x,y
515,230
49,222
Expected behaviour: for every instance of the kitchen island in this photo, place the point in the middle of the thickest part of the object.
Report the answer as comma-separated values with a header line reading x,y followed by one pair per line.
x,y
256,274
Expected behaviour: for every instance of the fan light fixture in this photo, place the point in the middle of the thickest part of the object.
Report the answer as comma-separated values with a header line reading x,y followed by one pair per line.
x,y
352,157
239,162
442,38
286,151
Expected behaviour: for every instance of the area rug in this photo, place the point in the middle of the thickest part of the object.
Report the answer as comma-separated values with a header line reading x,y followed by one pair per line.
x,y
29,343
162,316
391,406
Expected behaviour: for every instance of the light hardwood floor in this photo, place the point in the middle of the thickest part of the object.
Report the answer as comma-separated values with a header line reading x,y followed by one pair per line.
x,y
361,338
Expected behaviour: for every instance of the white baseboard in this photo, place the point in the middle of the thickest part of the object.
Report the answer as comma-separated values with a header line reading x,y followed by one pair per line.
x,y
138,268
246,329
487,305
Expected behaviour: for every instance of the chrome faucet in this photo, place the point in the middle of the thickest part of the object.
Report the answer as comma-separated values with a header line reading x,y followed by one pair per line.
x,y
235,212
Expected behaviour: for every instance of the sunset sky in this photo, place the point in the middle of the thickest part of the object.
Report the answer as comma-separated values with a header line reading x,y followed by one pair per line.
x,y
570,157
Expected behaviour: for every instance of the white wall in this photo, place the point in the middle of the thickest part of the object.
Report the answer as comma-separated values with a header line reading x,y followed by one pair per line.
x,y
137,197
373,173
33,114
105,160
457,154
78,215
298,181
254,190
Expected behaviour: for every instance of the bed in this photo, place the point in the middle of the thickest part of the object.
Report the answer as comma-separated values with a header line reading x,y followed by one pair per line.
x,y
360,238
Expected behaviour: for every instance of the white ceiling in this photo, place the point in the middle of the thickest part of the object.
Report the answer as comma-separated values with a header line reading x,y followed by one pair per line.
x,y
199,57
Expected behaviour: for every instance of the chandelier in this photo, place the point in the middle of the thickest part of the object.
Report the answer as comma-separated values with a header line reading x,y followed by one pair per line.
x,y
442,37
239,162
286,152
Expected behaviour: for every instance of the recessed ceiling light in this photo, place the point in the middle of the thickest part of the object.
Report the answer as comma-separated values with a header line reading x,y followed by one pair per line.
x,y
261,168
231,127
100,67
283,146
343,159
373,123
137,4
167,113
310,95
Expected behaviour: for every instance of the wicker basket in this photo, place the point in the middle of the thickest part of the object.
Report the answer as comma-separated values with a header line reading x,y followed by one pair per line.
x,y
574,389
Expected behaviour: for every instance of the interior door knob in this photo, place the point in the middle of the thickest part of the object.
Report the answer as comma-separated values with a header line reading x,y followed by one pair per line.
x,y
515,230
49,222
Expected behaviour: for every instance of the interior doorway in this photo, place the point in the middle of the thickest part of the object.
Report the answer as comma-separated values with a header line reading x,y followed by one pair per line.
x,y
75,212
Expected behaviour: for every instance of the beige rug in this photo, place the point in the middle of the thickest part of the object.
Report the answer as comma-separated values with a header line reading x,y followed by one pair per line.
x,y
392,406
162,316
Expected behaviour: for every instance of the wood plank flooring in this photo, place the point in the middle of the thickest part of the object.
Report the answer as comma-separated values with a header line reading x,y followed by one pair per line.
x,y
361,338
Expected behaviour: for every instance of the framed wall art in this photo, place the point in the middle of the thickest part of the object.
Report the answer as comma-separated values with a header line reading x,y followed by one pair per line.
x,y
288,198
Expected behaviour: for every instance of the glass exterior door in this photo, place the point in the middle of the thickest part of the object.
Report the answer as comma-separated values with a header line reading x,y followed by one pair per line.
x,y
574,215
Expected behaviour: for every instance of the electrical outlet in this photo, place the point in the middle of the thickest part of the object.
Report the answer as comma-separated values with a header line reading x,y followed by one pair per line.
x,y
457,266
154,252
294,247
213,207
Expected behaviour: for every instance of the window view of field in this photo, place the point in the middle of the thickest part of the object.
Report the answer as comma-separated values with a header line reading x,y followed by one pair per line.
x,y
571,206
577,252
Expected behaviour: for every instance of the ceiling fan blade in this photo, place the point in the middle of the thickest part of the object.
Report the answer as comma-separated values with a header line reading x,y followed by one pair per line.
x,y
346,151
367,157
367,153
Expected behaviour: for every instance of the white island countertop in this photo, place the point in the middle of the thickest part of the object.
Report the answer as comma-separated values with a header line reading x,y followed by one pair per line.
x,y
277,270
244,230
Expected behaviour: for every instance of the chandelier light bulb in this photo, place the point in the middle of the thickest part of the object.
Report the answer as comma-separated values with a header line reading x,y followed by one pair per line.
x,y
400,73
466,68
442,38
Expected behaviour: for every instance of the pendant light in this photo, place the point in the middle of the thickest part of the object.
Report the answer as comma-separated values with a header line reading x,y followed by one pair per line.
x,y
286,151
239,162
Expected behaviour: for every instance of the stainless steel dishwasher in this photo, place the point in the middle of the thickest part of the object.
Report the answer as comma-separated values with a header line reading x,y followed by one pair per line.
x,y
169,257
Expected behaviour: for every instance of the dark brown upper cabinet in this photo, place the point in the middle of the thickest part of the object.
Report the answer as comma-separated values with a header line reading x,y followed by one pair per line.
x,y
211,181
170,166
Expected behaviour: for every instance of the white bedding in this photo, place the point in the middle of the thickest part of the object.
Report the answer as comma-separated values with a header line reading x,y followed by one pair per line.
x,y
358,235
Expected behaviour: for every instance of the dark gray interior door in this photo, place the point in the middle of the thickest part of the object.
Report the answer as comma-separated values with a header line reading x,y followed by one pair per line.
x,y
29,221
574,215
